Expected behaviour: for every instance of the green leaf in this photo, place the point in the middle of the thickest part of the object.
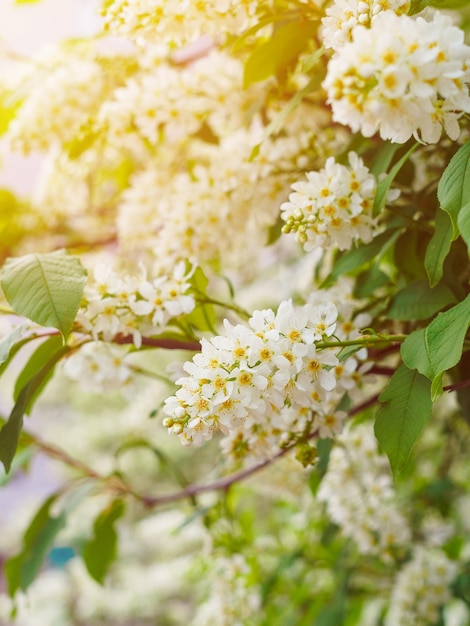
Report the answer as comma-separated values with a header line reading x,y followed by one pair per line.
x,y
438,248
463,222
405,411
23,568
7,344
10,432
416,6
357,257
415,353
203,316
453,190
277,123
42,355
384,185
445,336
101,550
279,52
46,288
418,301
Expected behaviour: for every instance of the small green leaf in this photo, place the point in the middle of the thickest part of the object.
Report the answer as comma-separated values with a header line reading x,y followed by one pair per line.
x,y
453,190
463,222
101,550
418,301
383,186
279,52
203,316
23,568
46,288
7,344
357,257
416,6
438,248
405,411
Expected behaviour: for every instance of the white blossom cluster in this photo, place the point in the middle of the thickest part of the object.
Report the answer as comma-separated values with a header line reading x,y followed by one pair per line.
x,y
401,77
343,15
358,491
265,384
59,103
333,207
178,21
130,305
100,367
421,589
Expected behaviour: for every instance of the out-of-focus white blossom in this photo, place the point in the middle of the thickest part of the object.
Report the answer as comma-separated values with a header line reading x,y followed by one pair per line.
x,y
421,588
401,77
178,21
333,207
358,491
343,15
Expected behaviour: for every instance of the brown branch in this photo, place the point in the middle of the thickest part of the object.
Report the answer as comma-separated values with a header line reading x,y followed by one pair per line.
x,y
381,371
167,344
460,385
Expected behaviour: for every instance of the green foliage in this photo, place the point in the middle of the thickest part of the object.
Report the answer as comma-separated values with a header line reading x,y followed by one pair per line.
x,y
437,348
25,397
418,301
101,549
404,412
203,316
8,343
22,569
463,222
438,248
46,288
383,186
276,55
453,190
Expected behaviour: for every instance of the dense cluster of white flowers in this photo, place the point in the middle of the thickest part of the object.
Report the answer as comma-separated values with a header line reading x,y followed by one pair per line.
x,y
421,588
264,384
333,207
178,22
343,15
132,305
359,495
401,77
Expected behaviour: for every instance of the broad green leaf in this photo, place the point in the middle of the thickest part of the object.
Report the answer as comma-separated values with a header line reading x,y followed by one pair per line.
x,y
415,353
11,340
404,412
23,568
279,52
383,158
41,356
357,257
418,301
10,432
445,336
449,4
438,248
453,190
46,288
383,186
463,222
101,550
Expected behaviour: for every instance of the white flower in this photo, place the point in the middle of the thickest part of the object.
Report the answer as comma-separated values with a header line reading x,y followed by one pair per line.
x,y
401,77
333,207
